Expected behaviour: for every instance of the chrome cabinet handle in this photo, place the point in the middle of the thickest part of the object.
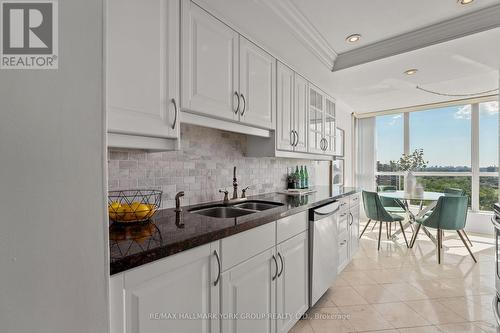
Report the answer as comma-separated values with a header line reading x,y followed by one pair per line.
x,y
321,144
276,265
343,242
175,114
244,104
495,309
296,138
292,138
352,218
218,265
326,144
282,264
238,98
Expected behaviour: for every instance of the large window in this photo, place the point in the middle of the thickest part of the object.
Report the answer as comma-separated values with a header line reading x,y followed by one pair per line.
x,y
460,144
445,136
389,140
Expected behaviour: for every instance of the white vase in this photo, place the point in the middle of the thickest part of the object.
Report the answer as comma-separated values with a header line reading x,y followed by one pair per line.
x,y
410,182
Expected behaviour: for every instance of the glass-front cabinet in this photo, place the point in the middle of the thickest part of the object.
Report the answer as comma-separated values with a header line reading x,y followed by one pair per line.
x,y
321,122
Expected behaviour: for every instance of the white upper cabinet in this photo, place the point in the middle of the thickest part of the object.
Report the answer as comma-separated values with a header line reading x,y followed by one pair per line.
x,y
142,64
329,126
301,107
321,122
285,137
292,106
209,65
316,120
257,85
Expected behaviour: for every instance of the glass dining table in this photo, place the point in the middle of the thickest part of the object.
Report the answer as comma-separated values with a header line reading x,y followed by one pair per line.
x,y
427,201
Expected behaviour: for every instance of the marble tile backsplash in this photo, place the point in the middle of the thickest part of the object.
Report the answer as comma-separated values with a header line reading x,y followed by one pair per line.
x,y
202,166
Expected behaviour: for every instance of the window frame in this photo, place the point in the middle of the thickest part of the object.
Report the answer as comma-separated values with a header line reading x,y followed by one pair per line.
x,y
475,172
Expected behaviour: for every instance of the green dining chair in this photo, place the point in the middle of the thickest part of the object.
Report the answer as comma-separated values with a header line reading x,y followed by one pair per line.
x,y
453,191
391,205
450,191
450,213
376,212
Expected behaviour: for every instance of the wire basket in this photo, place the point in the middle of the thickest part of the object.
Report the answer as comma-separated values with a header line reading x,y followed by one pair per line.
x,y
131,206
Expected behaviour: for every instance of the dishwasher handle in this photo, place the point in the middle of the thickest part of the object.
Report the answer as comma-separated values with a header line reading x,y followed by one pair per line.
x,y
326,210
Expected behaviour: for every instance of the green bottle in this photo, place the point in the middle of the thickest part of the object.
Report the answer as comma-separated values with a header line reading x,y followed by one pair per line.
x,y
306,178
297,176
302,177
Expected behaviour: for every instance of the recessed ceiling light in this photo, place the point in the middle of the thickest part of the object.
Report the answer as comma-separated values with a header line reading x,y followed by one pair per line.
x,y
353,38
465,2
412,71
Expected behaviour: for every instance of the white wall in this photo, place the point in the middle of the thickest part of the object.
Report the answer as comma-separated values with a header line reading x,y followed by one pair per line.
x,y
53,251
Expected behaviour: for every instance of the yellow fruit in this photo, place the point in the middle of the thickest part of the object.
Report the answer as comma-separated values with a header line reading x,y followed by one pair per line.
x,y
113,209
142,211
125,213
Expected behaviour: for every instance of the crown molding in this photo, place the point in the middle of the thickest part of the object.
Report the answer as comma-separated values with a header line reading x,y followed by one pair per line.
x,y
303,30
468,24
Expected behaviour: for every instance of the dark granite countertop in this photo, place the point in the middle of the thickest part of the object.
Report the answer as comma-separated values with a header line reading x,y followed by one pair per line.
x,y
137,244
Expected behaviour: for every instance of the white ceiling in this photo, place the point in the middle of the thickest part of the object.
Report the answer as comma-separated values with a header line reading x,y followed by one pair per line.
x,y
466,65
377,20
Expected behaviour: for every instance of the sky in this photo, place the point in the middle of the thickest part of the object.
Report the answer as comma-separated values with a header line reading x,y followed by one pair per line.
x,y
444,134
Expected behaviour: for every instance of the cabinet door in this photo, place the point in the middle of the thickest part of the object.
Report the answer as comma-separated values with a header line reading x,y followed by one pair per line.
x,y
257,85
143,67
292,282
354,231
177,285
247,289
316,120
329,127
285,88
300,112
209,64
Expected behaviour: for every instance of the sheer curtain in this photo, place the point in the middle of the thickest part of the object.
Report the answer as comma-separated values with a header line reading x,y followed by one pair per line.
x,y
366,159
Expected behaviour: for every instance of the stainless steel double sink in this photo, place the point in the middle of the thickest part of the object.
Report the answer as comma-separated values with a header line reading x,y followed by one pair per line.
x,y
235,210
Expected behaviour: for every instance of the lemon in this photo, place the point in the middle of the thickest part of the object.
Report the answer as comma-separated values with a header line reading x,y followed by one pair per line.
x,y
142,211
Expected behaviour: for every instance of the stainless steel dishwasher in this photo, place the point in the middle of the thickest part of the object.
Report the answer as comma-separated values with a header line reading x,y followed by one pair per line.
x,y
323,249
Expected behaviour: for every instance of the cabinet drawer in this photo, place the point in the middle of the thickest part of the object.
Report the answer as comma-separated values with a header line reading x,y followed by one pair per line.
x,y
344,203
291,226
342,222
354,199
242,246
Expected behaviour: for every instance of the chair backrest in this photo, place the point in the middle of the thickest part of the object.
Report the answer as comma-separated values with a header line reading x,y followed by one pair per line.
x,y
388,202
385,188
450,213
374,209
453,191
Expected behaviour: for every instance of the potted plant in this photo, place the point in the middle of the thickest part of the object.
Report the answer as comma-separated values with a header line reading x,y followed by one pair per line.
x,y
410,163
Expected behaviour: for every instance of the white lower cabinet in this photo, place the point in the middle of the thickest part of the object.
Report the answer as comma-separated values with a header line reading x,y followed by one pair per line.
x,y
348,229
155,297
292,281
248,289
254,281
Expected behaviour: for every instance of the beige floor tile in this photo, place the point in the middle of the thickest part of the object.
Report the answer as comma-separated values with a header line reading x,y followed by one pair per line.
x,y
400,315
405,291
328,320
422,329
365,318
487,327
302,326
472,309
406,288
346,296
355,278
461,328
435,312
376,294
